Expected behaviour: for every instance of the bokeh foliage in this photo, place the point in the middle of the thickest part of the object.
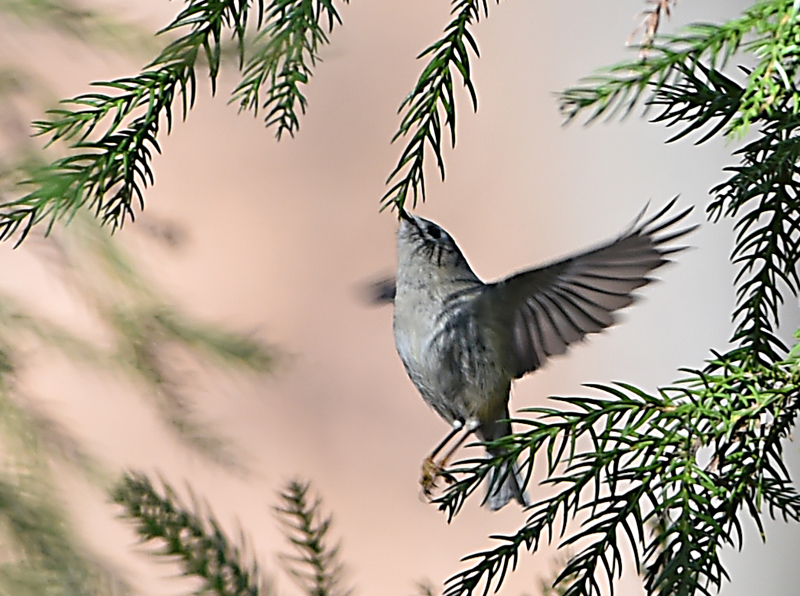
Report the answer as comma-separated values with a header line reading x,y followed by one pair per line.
x,y
196,538
129,334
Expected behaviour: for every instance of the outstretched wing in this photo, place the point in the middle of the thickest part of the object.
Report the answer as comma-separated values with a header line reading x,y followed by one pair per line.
x,y
545,310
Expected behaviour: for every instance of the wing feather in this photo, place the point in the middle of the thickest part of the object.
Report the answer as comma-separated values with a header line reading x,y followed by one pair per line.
x,y
542,311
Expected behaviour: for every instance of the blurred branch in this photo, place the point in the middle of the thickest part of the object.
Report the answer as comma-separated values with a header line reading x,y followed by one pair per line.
x,y
315,565
142,328
193,536
41,556
76,21
136,325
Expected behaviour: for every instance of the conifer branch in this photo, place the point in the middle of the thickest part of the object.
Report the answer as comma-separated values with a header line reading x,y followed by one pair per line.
x,y
431,107
629,464
281,59
195,537
113,133
315,564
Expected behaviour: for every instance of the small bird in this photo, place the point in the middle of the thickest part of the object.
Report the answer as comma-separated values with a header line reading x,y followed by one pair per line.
x,y
463,341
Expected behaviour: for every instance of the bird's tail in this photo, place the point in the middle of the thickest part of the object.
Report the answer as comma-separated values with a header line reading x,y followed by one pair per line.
x,y
506,484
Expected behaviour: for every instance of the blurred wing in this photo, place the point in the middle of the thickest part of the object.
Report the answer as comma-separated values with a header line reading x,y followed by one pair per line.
x,y
381,292
547,309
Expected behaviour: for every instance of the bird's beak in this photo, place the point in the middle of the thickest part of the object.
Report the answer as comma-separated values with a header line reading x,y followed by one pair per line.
x,y
405,216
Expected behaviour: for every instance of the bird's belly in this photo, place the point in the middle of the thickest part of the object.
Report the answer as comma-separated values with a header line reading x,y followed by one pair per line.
x,y
457,372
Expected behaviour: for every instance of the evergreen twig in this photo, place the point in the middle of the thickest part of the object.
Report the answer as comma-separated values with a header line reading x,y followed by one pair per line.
x,y
195,537
431,107
630,464
113,133
315,563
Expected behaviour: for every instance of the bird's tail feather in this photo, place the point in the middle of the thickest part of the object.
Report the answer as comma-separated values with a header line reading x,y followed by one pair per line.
x,y
505,484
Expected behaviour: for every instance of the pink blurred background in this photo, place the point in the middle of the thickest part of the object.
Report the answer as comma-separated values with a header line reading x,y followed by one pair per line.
x,y
282,237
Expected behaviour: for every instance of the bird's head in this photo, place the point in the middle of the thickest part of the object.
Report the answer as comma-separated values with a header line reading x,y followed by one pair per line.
x,y
423,245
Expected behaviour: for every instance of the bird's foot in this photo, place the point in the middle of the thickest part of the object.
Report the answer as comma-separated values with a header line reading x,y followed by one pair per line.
x,y
431,471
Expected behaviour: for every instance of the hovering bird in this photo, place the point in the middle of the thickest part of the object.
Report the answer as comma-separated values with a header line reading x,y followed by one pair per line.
x,y
463,341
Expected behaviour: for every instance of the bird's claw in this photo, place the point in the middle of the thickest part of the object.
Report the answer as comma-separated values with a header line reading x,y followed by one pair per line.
x,y
431,471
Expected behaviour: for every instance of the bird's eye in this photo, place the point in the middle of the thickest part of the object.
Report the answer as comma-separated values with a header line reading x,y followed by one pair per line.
x,y
434,232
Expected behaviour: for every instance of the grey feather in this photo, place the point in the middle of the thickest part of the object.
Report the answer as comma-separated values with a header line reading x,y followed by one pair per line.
x,y
546,309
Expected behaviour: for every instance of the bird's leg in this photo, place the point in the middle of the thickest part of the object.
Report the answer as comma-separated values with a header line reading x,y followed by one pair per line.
x,y
457,427
471,426
431,468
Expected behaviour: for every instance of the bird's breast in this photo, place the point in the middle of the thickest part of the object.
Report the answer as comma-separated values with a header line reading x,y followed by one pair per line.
x,y
450,354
